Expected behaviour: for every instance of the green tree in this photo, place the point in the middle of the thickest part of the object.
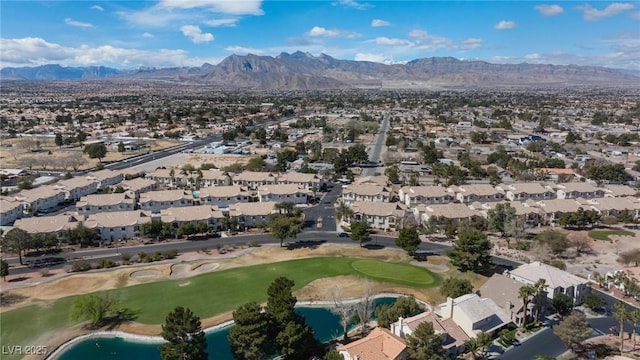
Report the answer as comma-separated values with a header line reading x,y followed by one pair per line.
x,y
405,306
152,228
525,293
393,173
408,240
471,252
360,232
248,338
332,355
425,344
59,140
634,317
95,307
501,217
186,229
573,329
121,147
16,241
295,339
96,151
556,241
454,287
478,346
283,228
185,339
621,313
4,269
343,211
563,303
592,300
256,164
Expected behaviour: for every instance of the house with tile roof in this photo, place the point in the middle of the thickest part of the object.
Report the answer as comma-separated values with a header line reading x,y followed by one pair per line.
x,y
453,211
380,344
526,191
250,214
619,191
413,195
223,196
474,314
554,208
41,198
556,281
117,225
309,181
505,292
172,177
253,179
477,192
365,193
454,336
10,210
610,206
155,201
379,215
96,203
209,214
284,193
139,185
106,177
55,224
215,178
77,187
575,190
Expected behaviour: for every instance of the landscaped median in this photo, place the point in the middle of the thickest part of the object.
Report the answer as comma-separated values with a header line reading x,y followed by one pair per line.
x,y
208,294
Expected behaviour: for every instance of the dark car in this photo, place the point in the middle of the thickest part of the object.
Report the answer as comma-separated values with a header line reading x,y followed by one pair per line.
x,y
343,234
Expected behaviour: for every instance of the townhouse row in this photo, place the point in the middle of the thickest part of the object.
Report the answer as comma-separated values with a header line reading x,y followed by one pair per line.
x,y
247,186
373,201
249,179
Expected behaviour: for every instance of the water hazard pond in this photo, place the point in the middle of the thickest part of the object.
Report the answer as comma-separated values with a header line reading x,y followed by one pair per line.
x,y
324,323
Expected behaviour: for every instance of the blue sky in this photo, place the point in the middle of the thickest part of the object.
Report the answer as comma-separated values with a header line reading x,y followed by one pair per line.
x,y
131,34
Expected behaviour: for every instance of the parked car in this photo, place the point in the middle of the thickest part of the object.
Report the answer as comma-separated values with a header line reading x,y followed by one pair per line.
x,y
343,234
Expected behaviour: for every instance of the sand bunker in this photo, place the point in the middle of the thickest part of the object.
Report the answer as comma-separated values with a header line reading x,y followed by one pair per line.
x,y
184,270
145,274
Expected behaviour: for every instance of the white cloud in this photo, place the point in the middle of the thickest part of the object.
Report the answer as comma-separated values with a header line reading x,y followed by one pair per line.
x,y
37,51
385,41
228,22
195,34
549,10
352,4
379,23
593,14
153,17
379,58
243,50
81,24
635,15
534,56
472,43
97,7
319,31
232,7
147,35
505,25
426,41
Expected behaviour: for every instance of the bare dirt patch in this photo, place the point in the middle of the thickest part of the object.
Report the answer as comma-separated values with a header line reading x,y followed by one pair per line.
x,y
146,274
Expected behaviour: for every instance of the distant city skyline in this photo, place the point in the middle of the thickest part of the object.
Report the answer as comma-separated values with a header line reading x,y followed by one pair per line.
x,y
167,33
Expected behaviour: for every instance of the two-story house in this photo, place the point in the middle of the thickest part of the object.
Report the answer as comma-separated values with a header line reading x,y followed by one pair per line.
x,y
97,203
215,178
556,281
474,314
413,195
361,193
209,214
223,196
54,224
106,177
117,225
577,190
380,343
139,185
249,215
252,179
172,177
40,199
284,193
10,210
383,216
308,181
476,192
619,191
526,191
454,337
155,201
609,206
77,187
554,208
455,212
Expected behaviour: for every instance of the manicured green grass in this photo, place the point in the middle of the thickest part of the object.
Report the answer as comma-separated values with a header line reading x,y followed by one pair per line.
x,y
208,294
604,234
397,273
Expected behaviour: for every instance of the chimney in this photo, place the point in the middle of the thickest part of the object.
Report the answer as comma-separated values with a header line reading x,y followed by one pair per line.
x,y
400,325
450,306
508,306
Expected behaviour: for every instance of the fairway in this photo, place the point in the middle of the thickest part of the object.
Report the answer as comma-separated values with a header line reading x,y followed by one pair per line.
x,y
209,294
395,273
604,234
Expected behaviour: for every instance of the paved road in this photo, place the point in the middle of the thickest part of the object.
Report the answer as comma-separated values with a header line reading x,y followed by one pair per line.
x,y
322,217
376,147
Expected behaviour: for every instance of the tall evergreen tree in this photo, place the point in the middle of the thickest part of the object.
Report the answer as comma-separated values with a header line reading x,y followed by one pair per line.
x,y
409,240
471,252
248,338
185,339
425,344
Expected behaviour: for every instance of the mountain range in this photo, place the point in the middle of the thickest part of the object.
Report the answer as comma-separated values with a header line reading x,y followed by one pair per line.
x,y
303,71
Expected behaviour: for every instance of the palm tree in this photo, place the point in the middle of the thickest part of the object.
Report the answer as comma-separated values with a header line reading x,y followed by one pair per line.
x,y
634,317
621,314
539,296
344,211
525,293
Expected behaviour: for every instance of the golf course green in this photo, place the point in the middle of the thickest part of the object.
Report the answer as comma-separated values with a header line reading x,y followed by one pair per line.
x,y
208,294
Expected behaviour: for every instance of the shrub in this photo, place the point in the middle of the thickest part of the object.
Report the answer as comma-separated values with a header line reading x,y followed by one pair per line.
x,y
44,272
522,245
218,247
125,257
609,220
253,243
558,264
157,256
80,266
170,254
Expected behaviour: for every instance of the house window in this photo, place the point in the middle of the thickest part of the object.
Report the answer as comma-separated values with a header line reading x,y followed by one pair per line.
x,y
122,228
